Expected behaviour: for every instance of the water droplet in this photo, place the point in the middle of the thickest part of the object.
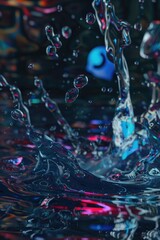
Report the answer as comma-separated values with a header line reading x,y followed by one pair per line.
x,y
51,51
66,32
75,53
59,8
37,82
31,66
17,114
109,90
49,32
90,18
103,89
138,26
71,95
80,81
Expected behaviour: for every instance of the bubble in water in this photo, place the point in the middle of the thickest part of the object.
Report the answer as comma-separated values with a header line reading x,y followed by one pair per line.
x,y
103,89
66,32
49,32
71,95
90,18
75,53
138,26
51,51
80,81
17,114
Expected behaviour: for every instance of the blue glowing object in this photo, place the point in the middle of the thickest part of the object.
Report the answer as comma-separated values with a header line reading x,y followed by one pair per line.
x,y
99,65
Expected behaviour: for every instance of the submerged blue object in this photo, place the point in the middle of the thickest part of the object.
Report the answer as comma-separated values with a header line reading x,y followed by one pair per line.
x,y
99,65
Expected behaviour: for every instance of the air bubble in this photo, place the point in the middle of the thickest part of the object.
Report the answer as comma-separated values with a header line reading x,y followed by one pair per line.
x,y
109,90
17,114
31,66
59,8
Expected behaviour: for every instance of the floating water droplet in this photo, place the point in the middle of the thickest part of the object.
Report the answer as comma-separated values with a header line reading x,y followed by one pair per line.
x,y
66,32
17,114
56,41
80,81
75,53
37,82
59,8
109,90
71,95
90,18
50,105
138,26
103,89
31,66
51,51
136,63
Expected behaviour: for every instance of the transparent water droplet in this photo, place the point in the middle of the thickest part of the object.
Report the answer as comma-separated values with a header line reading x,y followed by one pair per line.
x,y
66,32
80,81
59,8
75,53
51,51
37,82
71,95
31,66
138,26
109,90
17,114
90,18
103,89
136,63
49,32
